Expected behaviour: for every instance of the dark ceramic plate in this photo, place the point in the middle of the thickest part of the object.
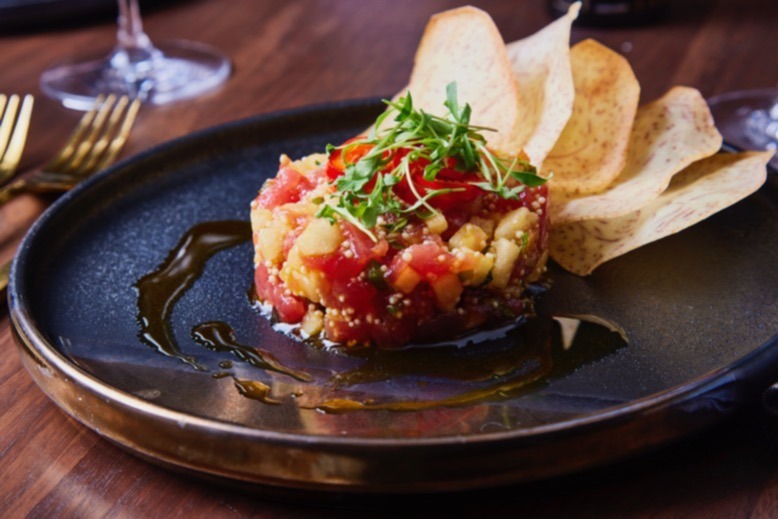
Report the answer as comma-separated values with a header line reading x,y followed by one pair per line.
x,y
699,309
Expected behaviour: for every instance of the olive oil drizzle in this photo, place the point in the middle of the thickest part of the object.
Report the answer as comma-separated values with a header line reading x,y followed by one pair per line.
x,y
465,363
255,390
533,352
540,349
218,336
159,290
501,390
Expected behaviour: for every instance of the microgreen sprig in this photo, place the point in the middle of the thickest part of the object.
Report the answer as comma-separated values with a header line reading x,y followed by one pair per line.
x,y
421,136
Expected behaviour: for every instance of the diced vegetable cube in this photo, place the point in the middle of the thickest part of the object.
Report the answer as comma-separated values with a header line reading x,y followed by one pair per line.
x,y
301,280
270,242
312,322
436,223
482,265
518,221
506,253
470,237
320,237
447,290
406,280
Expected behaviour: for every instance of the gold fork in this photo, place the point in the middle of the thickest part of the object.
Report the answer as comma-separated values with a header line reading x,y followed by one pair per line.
x,y
13,132
94,144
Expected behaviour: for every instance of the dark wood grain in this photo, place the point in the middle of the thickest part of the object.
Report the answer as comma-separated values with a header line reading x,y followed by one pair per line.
x,y
289,54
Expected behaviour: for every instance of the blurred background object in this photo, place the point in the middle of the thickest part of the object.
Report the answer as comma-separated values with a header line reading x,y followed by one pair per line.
x,y
748,118
41,15
612,12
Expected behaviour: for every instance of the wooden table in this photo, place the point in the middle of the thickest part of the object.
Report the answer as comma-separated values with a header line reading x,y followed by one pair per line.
x,y
289,54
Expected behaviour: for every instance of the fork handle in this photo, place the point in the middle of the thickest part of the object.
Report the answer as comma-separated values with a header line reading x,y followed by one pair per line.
x,y
5,274
34,184
8,191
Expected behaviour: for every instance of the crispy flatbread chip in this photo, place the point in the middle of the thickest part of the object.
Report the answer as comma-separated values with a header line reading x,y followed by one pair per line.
x,y
541,64
592,149
667,135
464,45
700,190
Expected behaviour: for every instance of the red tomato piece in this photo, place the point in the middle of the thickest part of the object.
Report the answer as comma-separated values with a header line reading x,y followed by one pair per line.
x,y
462,190
287,187
290,308
346,263
429,260
348,153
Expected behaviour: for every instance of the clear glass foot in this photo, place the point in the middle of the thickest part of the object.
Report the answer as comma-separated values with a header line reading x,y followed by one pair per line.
x,y
168,72
156,74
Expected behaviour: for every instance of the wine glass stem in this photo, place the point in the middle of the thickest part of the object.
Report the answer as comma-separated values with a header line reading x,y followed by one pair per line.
x,y
130,35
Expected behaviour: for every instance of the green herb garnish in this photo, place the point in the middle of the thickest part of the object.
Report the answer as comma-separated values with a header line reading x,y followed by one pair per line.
x,y
375,276
439,142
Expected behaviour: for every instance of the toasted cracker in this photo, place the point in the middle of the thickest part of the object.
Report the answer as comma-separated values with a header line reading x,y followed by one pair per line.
x,y
541,64
667,135
464,46
702,189
592,149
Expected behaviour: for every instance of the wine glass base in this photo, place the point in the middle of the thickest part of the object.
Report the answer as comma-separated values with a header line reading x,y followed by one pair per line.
x,y
179,70
748,119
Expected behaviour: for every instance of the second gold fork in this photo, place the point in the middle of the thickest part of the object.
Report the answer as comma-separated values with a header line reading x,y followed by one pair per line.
x,y
94,144
13,132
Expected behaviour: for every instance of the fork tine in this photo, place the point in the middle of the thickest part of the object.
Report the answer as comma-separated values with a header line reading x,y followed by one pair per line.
x,y
93,135
3,102
67,151
92,158
105,128
117,143
13,152
9,116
